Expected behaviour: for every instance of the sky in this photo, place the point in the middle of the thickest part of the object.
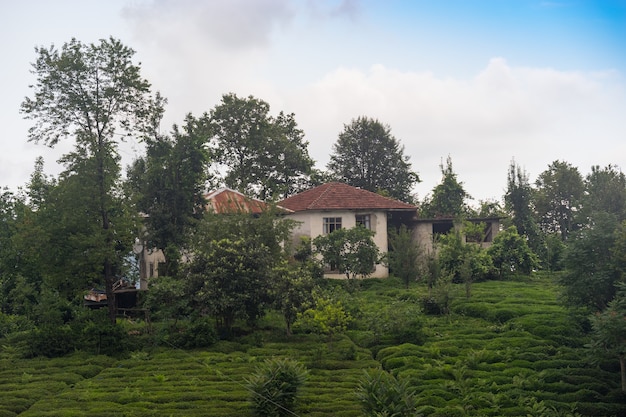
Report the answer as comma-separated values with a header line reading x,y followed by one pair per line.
x,y
485,82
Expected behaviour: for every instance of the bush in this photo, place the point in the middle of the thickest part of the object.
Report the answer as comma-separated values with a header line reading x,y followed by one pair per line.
x,y
199,333
51,341
432,307
10,323
275,386
380,393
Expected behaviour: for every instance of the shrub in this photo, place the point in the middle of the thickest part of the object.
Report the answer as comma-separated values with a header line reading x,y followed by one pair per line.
x,y
10,323
380,393
275,386
327,318
51,341
503,315
198,333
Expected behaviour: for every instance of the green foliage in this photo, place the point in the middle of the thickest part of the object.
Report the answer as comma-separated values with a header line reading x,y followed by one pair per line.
x,y
463,262
292,291
381,394
558,198
551,252
51,341
263,156
235,259
96,94
196,333
229,278
448,198
605,192
404,255
168,185
350,251
367,156
12,323
327,317
609,331
275,386
395,323
592,264
100,337
519,203
510,254
175,291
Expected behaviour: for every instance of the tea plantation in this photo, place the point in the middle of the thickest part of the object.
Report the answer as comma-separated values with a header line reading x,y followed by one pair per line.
x,y
509,350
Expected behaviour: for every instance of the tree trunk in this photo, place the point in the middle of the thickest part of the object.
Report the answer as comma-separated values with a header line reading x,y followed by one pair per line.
x,y
622,367
109,281
109,277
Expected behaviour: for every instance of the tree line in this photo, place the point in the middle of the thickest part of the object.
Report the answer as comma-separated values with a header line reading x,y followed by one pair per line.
x,y
61,235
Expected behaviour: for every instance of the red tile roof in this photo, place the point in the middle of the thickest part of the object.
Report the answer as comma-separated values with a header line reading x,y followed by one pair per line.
x,y
226,200
339,196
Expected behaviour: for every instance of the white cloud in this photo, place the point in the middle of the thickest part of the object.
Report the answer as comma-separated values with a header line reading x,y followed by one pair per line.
x,y
532,115
319,59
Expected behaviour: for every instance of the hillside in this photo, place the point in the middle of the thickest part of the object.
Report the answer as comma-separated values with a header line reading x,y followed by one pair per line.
x,y
509,350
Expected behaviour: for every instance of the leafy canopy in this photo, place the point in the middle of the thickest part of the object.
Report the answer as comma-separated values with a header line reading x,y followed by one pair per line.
x,y
352,252
366,155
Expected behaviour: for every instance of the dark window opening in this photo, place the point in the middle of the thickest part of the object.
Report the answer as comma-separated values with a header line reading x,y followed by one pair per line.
x,y
442,228
331,224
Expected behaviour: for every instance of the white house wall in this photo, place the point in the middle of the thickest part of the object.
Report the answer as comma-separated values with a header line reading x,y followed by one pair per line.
x,y
312,224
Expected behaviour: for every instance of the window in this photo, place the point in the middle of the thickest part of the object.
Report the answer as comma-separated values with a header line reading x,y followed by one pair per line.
x,y
363,220
331,224
151,273
442,227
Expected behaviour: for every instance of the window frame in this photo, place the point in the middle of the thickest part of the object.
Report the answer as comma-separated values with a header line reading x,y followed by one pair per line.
x,y
364,220
330,224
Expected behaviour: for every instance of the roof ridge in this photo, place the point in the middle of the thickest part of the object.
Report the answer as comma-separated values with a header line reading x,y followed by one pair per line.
x,y
328,185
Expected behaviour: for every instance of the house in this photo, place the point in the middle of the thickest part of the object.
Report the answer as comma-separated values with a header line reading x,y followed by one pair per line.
x,y
222,201
335,205
426,231
225,200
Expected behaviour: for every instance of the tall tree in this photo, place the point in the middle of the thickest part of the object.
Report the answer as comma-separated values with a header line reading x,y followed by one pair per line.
x,y
448,198
234,264
558,198
169,185
594,262
368,156
404,255
605,192
264,157
518,201
96,94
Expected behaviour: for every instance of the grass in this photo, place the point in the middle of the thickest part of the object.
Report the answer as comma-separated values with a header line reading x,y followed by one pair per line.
x,y
509,350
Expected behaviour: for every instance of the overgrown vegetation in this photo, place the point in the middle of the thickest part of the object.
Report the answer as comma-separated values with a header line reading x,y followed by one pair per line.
x,y
509,350
531,326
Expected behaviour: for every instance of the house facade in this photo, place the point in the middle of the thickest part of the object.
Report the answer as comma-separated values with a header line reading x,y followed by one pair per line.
x,y
335,205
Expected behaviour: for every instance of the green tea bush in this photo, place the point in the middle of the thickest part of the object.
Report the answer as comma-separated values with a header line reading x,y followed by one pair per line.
x,y
275,387
381,394
433,401
474,309
449,412
435,306
504,315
